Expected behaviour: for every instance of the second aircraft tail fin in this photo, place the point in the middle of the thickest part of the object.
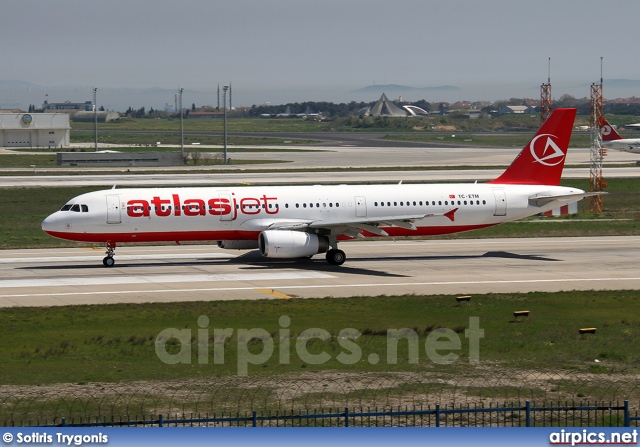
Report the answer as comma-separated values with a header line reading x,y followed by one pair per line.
x,y
607,131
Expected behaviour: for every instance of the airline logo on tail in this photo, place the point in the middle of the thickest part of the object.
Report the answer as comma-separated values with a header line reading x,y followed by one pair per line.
x,y
540,151
607,131
541,161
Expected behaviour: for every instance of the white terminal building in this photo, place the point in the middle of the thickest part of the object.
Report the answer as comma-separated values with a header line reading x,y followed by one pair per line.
x,y
34,130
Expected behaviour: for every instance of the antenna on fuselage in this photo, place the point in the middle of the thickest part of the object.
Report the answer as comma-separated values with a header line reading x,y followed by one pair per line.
x,y
114,187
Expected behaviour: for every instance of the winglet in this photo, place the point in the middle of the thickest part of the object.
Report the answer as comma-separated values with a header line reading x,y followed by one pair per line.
x,y
541,161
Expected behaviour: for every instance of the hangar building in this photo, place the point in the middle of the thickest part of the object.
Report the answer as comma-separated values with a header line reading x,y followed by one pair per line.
x,y
34,129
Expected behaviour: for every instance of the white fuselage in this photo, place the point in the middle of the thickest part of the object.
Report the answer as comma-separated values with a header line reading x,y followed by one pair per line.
x,y
242,213
631,145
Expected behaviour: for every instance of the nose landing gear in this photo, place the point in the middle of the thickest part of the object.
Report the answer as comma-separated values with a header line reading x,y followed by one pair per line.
x,y
108,261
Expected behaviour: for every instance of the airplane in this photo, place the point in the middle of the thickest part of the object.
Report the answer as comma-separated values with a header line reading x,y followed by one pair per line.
x,y
290,222
613,140
285,114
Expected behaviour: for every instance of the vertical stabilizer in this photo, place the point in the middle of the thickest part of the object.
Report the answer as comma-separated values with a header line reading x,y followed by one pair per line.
x,y
607,131
541,161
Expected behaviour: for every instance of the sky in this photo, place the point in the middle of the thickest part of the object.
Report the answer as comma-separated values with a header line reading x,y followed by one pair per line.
x,y
280,51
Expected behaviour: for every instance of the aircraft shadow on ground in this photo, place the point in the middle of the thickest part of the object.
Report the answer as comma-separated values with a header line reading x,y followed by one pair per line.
x,y
254,261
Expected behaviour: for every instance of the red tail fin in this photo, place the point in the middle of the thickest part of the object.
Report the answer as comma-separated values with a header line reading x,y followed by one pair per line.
x,y
607,131
541,161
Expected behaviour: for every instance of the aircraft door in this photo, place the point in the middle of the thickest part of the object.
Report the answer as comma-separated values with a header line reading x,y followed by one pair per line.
x,y
113,209
226,198
501,202
361,206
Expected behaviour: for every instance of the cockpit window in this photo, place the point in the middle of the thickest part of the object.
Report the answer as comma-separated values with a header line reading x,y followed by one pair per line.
x,y
67,207
75,208
85,208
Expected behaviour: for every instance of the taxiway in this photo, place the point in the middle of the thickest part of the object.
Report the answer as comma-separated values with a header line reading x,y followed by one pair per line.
x,y
73,276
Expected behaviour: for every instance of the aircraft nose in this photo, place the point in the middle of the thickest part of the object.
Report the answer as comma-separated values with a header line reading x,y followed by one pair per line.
x,y
50,223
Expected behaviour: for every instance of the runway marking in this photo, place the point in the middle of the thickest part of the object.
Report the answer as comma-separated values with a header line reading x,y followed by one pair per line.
x,y
323,286
159,279
275,293
168,256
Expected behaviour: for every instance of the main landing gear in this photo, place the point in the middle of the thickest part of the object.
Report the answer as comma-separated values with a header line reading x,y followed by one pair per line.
x,y
336,257
108,261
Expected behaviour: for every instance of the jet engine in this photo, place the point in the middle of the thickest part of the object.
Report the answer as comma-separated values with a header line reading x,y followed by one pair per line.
x,y
238,245
291,244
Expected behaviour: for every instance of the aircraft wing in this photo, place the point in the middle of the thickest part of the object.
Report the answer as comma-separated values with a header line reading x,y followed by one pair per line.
x,y
543,200
352,227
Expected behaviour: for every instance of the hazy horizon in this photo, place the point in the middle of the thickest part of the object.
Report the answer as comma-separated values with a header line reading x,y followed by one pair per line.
x,y
290,51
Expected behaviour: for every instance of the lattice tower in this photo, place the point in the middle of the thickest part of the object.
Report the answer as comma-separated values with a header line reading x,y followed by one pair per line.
x,y
596,181
545,98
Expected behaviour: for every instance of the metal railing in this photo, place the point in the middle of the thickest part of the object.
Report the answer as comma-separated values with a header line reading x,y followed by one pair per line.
x,y
597,414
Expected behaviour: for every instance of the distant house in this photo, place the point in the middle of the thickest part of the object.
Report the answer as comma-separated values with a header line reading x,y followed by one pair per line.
x,y
517,110
66,106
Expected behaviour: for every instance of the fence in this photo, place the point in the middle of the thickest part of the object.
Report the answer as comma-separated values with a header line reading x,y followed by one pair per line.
x,y
464,398
527,415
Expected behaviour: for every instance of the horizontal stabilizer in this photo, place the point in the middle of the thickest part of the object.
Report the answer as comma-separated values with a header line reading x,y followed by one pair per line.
x,y
544,200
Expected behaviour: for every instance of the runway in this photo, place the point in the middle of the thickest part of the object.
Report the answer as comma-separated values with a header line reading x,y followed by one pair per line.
x,y
74,276
326,166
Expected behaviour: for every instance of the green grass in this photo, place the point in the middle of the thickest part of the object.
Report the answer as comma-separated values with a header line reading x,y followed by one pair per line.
x,y
108,354
115,343
204,125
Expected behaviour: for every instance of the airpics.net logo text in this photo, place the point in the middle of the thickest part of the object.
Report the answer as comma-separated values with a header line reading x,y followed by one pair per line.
x,y
257,346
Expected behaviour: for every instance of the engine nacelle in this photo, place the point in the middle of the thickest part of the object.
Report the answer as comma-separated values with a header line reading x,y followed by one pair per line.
x,y
238,245
291,244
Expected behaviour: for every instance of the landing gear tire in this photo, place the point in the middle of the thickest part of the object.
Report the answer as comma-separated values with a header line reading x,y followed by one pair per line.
x,y
336,257
108,261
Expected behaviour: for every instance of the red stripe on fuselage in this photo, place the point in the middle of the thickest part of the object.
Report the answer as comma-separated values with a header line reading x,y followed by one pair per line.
x,y
192,236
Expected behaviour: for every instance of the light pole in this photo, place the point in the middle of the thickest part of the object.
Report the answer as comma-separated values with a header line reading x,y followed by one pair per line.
x,y
95,117
224,106
181,124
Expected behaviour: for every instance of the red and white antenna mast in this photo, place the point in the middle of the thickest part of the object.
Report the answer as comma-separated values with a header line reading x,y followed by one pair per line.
x,y
596,181
545,97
